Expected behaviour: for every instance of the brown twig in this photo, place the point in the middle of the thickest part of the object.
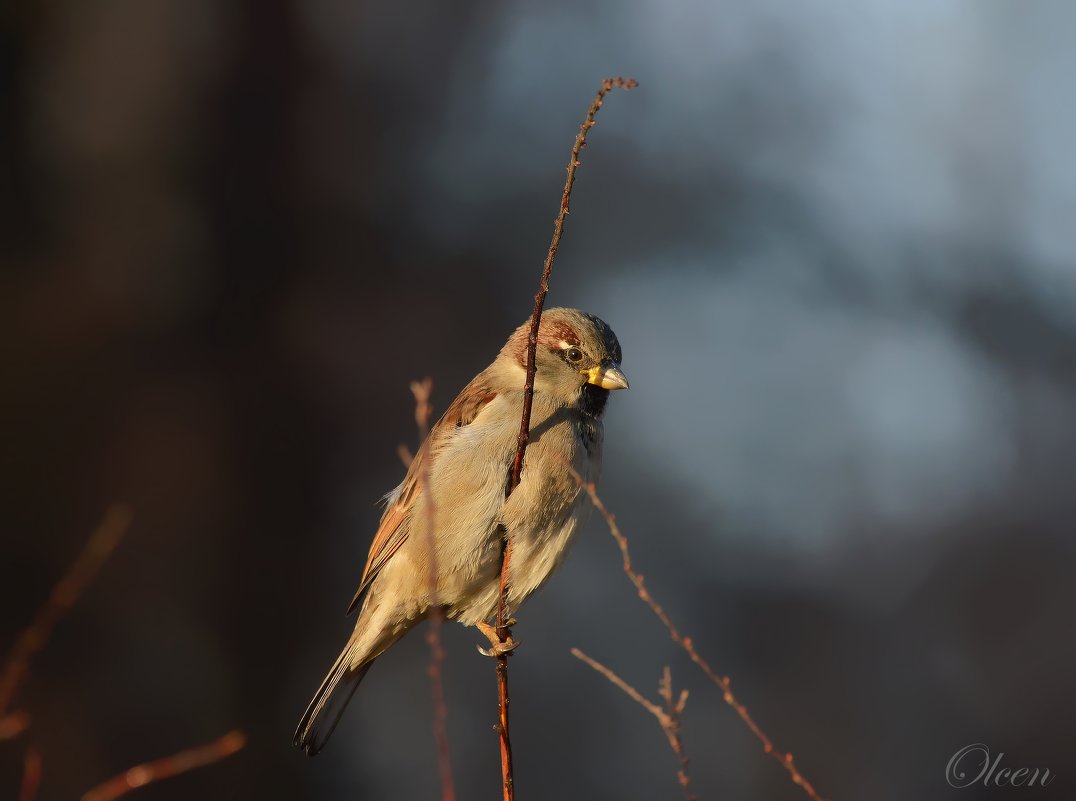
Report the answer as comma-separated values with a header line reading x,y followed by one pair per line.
x,y
64,595
149,772
686,643
31,775
421,390
668,717
423,409
14,724
503,632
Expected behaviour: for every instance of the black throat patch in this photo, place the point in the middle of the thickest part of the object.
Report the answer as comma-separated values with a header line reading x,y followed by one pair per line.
x,y
592,400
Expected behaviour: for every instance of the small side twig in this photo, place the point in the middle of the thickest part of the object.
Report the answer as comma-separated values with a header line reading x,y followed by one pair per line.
x,y
503,632
723,682
31,775
14,724
149,772
668,717
421,390
64,596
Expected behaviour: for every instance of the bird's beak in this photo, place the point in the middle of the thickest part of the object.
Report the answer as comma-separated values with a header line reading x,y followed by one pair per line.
x,y
607,376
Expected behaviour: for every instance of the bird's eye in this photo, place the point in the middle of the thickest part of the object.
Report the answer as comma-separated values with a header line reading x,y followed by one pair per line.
x,y
574,354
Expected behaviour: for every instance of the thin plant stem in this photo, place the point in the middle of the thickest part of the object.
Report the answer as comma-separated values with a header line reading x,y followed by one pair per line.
x,y
503,632
668,717
421,390
724,683
155,771
64,596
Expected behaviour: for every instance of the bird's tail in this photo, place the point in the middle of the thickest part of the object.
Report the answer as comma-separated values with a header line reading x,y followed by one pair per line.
x,y
329,702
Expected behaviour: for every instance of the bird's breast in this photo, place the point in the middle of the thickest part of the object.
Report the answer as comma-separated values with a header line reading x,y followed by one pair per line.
x,y
546,510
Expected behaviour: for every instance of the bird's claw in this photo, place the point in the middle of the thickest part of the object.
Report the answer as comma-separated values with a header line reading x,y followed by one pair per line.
x,y
496,647
499,648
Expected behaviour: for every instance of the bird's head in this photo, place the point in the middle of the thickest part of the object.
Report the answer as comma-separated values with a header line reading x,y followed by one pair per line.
x,y
578,356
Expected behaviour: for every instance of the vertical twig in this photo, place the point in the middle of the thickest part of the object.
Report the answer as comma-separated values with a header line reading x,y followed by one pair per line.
x,y
668,718
503,632
64,595
149,772
675,709
421,390
686,643
31,775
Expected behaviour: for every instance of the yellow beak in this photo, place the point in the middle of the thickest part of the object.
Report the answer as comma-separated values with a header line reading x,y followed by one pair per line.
x,y
607,376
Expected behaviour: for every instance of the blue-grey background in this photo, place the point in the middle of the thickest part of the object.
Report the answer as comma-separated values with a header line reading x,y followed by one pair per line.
x,y
835,240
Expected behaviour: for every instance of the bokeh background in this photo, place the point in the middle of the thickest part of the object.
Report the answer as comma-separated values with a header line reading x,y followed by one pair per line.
x,y
835,240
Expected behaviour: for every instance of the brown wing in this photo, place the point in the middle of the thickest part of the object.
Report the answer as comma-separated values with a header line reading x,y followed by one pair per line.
x,y
392,532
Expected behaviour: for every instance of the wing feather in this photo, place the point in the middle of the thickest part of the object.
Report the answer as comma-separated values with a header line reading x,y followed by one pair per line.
x,y
392,531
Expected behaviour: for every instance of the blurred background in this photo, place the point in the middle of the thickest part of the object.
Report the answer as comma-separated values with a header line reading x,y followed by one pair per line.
x,y
834,238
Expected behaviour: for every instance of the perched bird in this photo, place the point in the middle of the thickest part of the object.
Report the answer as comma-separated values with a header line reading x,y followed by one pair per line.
x,y
454,497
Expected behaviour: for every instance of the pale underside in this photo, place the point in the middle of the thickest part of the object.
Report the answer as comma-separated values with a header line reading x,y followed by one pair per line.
x,y
469,453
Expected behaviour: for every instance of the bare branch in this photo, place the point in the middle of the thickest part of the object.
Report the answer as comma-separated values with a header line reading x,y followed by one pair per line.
x,y
14,724
686,643
668,718
31,775
64,596
421,390
547,270
423,409
66,593
503,632
149,772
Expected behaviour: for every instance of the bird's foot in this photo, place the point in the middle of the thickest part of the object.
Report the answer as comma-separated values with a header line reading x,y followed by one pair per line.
x,y
496,647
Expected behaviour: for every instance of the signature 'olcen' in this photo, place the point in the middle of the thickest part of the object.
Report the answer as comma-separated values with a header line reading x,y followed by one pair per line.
x,y
965,769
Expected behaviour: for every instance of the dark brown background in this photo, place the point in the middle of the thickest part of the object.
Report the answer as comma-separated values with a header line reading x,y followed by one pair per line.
x,y
835,241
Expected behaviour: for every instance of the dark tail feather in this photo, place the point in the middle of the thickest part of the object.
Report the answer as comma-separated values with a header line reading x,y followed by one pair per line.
x,y
329,703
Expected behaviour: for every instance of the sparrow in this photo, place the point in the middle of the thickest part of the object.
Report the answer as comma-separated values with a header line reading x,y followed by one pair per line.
x,y
451,511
